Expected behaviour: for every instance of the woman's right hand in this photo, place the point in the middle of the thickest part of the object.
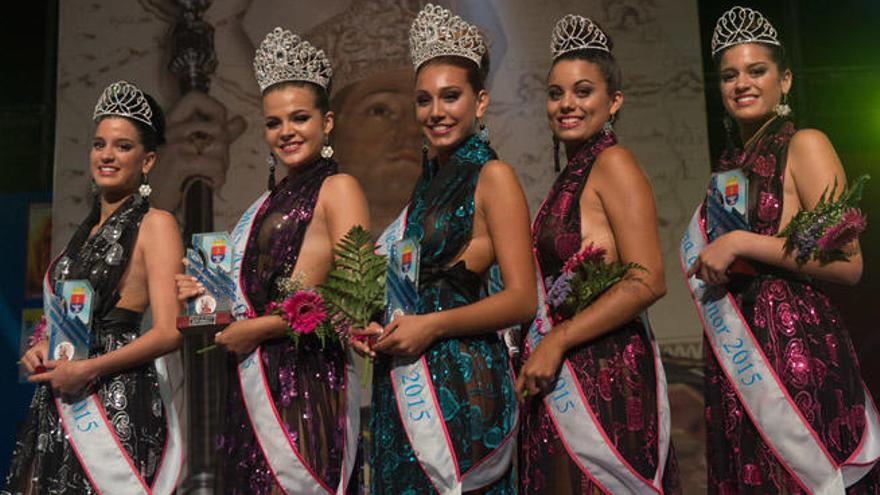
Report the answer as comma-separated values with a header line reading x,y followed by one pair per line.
x,y
361,339
34,359
187,286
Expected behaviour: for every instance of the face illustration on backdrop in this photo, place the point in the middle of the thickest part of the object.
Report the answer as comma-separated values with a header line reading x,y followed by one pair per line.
x,y
377,140
376,136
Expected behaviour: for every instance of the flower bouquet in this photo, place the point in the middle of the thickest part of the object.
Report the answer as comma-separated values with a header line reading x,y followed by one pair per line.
x,y
352,295
585,276
822,233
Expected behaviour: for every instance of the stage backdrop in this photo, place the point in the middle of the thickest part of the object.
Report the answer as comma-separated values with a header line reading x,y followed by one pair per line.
x,y
217,136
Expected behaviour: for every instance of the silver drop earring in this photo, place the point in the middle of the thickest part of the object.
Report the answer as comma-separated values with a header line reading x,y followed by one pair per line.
x,y
782,109
484,133
327,150
144,190
608,126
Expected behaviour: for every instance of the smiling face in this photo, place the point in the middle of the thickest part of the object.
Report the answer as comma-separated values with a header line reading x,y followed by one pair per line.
x,y
447,107
751,83
578,103
117,157
295,127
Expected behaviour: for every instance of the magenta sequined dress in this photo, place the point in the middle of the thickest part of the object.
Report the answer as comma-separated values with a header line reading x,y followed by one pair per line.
x,y
616,370
308,384
804,339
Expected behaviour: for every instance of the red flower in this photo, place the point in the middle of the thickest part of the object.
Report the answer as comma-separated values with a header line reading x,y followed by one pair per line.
x,y
304,311
592,254
851,224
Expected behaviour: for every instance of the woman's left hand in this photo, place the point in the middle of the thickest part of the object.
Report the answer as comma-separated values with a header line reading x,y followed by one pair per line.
x,y
712,263
66,377
240,337
407,335
539,372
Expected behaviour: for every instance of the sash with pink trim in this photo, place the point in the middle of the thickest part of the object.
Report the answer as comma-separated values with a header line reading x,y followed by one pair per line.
x,y
105,462
767,402
579,429
288,467
423,422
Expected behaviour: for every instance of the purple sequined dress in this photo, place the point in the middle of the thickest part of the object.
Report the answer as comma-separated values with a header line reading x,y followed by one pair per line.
x,y
804,339
308,384
616,370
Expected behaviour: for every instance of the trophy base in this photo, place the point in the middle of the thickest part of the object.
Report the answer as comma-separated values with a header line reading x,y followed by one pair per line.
x,y
198,324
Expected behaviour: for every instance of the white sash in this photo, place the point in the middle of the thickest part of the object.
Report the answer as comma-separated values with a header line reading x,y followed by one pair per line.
x,y
764,398
289,469
93,439
423,422
579,429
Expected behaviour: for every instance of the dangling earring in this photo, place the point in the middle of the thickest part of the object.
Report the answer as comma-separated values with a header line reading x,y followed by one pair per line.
x,y
327,150
782,109
271,161
144,190
556,167
608,126
424,152
93,188
484,133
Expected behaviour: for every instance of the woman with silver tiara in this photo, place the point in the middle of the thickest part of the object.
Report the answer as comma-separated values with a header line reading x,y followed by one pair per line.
x,y
292,421
104,422
786,407
444,413
595,413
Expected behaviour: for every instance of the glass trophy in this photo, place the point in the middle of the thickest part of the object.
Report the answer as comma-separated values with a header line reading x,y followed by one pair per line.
x,y
727,210
69,318
726,204
210,262
402,279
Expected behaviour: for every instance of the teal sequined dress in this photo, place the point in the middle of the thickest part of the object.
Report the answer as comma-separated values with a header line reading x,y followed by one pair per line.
x,y
471,375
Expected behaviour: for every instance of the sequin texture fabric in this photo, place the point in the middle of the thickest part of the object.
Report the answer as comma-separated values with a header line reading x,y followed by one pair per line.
x,y
43,460
805,341
471,375
616,370
307,384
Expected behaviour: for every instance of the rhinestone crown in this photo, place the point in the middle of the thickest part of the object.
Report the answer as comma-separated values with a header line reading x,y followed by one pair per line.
x,y
284,56
124,99
742,25
575,32
436,32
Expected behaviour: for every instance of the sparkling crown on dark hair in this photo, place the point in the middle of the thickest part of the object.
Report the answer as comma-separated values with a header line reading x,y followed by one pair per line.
x,y
124,99
575,32
742,25
284,56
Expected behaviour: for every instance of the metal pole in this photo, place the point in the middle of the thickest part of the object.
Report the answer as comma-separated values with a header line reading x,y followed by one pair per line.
x,y
193,60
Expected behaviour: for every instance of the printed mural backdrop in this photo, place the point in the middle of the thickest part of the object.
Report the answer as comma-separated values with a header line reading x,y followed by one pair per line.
x,y
218,135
